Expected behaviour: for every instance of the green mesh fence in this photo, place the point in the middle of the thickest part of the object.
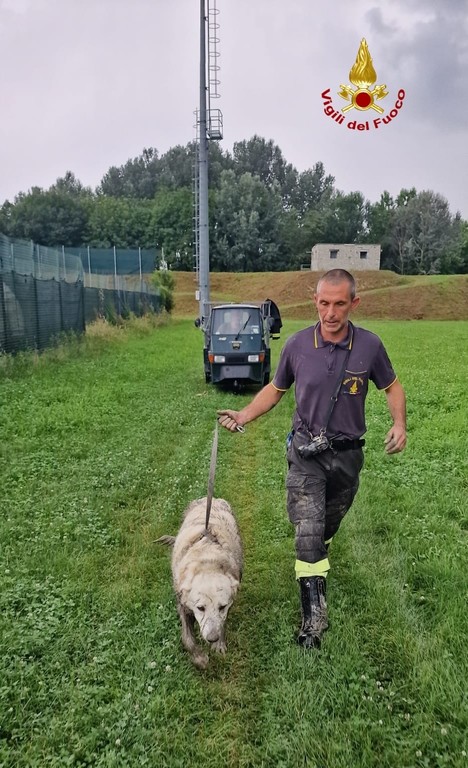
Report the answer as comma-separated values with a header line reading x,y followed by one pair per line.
x,y
119,261
43,294
28,258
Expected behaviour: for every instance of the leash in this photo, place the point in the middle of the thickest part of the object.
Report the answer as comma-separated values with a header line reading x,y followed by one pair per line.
x,y
211,475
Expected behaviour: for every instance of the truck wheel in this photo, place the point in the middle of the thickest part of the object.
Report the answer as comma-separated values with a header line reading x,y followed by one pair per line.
x,y
207,377
266,378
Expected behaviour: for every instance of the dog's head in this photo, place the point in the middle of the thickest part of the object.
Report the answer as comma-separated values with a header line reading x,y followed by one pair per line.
x,y
209,597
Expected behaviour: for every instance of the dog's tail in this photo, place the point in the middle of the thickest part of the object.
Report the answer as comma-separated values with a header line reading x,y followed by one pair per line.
x,y
168,540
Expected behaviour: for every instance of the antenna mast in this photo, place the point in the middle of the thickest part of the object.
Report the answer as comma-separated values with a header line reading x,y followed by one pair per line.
x,y
209,127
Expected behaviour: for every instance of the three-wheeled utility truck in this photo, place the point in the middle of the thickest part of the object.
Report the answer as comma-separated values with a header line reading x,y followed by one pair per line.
x,y
237,343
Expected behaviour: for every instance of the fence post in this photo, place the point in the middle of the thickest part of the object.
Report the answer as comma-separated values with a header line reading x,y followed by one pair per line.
x,y
6,342
83,308
36,307
89,265
64,264
38,251
60,306
116,294
139,261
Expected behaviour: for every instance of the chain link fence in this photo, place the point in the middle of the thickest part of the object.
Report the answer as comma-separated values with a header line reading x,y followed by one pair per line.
x,y
45,292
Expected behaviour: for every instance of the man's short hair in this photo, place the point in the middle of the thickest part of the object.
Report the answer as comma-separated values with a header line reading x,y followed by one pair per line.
x,y
336,276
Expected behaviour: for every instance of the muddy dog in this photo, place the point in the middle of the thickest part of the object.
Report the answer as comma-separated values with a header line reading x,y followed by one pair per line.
x,y
206,573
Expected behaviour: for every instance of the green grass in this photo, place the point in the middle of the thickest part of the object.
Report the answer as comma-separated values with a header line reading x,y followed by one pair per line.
x,y
103,445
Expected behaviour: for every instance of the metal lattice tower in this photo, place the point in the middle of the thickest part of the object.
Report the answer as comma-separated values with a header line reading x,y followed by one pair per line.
x,y
209,127
196,207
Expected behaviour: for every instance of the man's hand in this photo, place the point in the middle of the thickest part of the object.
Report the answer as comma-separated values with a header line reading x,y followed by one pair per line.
x,y
230,420
395,439
263,401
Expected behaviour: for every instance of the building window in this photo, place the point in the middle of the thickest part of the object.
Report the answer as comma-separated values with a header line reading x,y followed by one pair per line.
x,y
363,254
333,254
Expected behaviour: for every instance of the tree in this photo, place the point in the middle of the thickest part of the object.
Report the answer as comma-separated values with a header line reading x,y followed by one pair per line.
x,y
218,161
137,178
50,218
70,185
120,222
343,218
172,226
164,281
5,217
145,176
462,247
424,233
265,160
313,190
399,229
379,220
246,226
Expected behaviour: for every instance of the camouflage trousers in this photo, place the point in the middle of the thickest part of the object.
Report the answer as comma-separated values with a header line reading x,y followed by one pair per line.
x,y
320,490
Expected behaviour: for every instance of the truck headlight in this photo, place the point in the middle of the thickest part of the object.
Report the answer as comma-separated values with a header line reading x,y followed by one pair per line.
x,y
219,359
253,358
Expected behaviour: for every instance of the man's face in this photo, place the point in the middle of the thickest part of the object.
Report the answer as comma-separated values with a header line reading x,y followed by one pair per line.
x,y
236,317
334,303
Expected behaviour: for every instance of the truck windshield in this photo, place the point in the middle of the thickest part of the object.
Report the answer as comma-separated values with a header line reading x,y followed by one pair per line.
x,y
236,322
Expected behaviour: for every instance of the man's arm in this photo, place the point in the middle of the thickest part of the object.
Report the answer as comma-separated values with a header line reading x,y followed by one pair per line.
x,y
266,399
395,439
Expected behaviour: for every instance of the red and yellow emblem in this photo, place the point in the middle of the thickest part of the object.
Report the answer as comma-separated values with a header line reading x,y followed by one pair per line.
x,y
363,75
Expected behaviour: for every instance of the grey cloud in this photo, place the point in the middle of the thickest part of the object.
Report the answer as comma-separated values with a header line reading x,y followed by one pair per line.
x,y
378,23
429,57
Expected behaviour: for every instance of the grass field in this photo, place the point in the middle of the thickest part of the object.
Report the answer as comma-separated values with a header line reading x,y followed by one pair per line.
x,y
104,443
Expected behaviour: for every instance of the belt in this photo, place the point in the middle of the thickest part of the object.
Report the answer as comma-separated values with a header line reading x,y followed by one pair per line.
x,y
346,445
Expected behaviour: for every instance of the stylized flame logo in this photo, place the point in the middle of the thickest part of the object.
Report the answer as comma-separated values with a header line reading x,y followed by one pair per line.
x,y
362,74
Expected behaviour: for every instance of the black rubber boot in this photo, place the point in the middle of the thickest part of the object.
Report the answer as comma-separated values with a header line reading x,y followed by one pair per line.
x,y
314,611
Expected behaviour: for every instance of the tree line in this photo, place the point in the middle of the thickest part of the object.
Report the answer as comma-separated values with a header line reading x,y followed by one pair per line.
x,y
264,214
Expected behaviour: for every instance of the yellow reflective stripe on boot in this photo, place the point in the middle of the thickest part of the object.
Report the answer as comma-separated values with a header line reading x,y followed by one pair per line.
x,y
304,569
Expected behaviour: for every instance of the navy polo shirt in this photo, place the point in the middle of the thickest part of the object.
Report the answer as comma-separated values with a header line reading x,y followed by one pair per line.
x,y
313,365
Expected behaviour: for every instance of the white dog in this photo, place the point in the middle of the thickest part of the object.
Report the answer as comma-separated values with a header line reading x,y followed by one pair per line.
x,y
206,572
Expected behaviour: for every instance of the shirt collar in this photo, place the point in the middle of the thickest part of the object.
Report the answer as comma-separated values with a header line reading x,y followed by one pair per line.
x,y
347,343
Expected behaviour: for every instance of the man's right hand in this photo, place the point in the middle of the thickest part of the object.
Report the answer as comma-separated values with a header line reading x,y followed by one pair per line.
x,y
230,420
263,401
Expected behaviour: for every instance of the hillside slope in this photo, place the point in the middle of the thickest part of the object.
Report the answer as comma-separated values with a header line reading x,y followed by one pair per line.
x,y
384,294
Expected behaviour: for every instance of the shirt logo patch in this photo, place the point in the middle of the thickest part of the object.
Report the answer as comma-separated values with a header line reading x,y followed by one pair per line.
x,y
353,385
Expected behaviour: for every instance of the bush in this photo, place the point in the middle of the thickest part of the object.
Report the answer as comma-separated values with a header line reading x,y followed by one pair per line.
x,y
164,280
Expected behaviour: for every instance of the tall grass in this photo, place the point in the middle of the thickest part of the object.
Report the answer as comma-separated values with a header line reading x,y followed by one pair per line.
x,y
104,443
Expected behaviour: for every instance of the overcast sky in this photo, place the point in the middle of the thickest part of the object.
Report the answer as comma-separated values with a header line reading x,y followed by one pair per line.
x,y
86,84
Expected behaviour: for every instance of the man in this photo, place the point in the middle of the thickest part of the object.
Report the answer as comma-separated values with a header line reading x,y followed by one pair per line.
x,y
233,322
321,484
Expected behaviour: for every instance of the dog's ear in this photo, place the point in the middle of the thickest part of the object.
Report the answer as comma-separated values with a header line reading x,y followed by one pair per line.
x,y
185,578
185,583
180,596
234,583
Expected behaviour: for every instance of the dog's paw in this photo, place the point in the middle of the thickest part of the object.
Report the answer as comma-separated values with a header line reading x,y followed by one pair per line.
x,y
220,646
200,659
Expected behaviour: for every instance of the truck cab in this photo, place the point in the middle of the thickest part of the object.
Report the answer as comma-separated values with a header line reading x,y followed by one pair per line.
x,y
237,344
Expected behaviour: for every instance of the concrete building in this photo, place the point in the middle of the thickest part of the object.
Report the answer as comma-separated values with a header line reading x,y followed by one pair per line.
x,y
350,256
